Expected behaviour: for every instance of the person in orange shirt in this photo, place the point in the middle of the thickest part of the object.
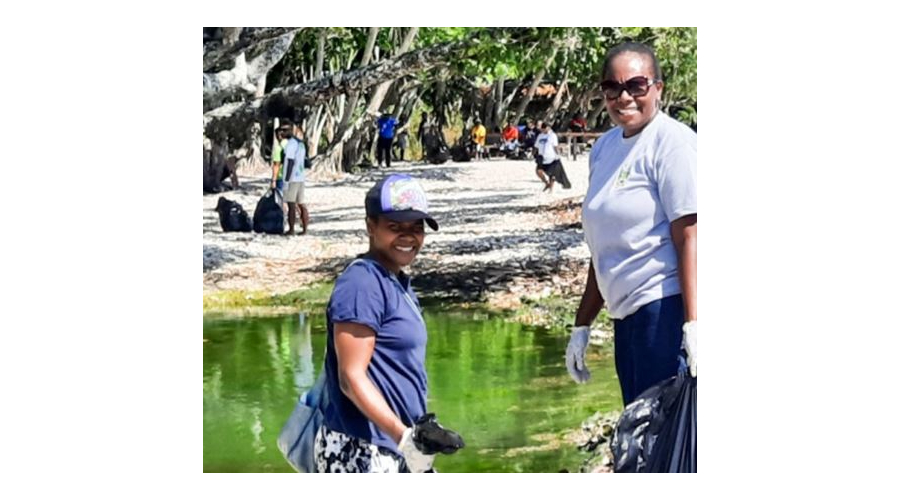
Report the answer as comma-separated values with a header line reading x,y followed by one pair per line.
x,y
510,139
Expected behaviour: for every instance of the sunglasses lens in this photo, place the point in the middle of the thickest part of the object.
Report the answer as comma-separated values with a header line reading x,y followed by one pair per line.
x,y
637,86
611,90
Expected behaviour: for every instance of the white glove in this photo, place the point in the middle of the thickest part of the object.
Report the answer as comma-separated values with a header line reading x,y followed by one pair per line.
x,y
575,354
416,461
690,345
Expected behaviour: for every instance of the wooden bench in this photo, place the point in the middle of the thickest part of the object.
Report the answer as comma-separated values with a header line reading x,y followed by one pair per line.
x,y
570,147
493,145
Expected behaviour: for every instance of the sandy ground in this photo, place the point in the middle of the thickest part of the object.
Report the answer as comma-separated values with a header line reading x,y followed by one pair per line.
x,y
500,238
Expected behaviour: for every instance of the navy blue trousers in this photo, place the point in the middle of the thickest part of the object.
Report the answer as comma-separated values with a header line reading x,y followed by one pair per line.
x,y
648,346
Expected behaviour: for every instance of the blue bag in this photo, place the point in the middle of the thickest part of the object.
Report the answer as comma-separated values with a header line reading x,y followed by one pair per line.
x,y
298,436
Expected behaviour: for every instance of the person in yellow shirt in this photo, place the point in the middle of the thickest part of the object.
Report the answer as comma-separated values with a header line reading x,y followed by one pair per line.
x,y
479,133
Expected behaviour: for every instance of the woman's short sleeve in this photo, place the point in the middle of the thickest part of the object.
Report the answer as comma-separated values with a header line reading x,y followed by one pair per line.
x,y
358,297
677,182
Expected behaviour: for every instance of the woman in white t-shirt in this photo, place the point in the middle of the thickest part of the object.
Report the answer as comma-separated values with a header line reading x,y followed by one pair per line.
x,y
640,223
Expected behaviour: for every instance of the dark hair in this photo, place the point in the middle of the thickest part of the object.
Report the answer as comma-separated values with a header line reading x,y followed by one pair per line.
x,y
636,47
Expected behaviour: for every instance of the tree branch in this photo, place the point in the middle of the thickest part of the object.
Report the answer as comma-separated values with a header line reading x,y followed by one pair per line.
x,y
232,120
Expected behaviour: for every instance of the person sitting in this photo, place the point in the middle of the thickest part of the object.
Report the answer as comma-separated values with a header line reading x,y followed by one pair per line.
x,y
510,139
529,136
578,123
479,135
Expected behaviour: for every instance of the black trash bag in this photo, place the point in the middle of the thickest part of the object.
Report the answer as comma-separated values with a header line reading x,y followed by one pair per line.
x,y
460,154
658,431
438,158
268,217
232,216
431,438
556,171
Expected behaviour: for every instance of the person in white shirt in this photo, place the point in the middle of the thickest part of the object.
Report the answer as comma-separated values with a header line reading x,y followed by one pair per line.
x,y
294,175
640,223
546,155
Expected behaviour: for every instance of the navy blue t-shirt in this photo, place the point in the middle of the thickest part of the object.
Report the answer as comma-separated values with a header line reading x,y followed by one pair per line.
x,y
368,294
386,126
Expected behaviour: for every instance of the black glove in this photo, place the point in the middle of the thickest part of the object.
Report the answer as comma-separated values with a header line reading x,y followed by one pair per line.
x,y
431,438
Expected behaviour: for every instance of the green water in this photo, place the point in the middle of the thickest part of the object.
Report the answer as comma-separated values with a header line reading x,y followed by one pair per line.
x,y
502,386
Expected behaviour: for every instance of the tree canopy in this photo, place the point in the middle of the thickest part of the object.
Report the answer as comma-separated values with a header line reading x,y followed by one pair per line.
x,y
334,80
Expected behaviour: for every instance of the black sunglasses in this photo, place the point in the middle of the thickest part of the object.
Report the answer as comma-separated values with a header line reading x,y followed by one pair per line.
x,y
636,87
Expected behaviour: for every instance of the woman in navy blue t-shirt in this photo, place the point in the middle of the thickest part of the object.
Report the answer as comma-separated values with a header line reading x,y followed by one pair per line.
x,y
375,363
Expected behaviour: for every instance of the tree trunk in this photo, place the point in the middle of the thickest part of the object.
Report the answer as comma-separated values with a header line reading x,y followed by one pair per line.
x,y
381,90
240,78
231,36
214,156
595,112
534,84
375,102
320,52
487,109
354,96
232,119
249,159
504,106
557,99
498,101
218,56
574,104
314,134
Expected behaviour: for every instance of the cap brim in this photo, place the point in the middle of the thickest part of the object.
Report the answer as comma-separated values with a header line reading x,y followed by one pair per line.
x,y
410,215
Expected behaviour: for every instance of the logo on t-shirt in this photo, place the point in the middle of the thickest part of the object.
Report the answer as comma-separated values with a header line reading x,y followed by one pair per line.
x,y
624,172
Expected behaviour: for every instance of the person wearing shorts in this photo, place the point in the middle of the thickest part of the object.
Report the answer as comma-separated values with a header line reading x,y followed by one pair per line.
x,y
294,175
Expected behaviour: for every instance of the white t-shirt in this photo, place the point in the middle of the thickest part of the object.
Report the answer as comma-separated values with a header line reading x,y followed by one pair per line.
x,y
296,150
637,187
546,146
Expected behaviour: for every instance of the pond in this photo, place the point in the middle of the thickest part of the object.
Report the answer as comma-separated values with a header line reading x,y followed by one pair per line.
x,y
503,386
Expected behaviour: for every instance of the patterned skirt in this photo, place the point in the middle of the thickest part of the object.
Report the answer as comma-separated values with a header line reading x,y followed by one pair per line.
x,y
338,452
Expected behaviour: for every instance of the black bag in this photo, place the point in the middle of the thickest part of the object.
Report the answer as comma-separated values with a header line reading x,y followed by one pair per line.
x,y
439,158
460,154
232,216
658,431
556,171
268,217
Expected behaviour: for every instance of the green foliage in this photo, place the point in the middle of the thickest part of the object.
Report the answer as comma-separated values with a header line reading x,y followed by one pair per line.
x,y
312,297
514,54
